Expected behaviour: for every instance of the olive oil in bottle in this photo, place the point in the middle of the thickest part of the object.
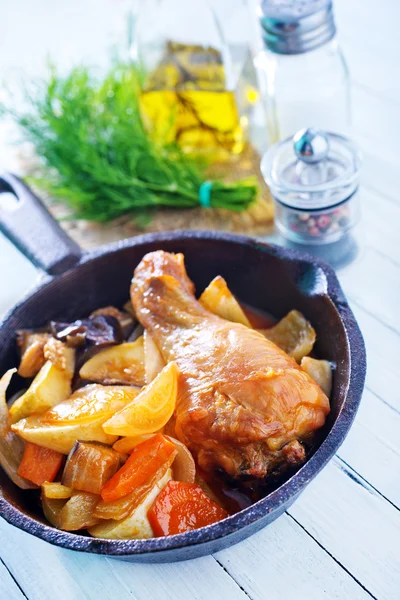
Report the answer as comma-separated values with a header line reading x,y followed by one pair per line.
x,y
187,95
185,101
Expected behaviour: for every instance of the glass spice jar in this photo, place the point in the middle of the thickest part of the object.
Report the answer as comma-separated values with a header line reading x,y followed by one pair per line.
x,y
314,180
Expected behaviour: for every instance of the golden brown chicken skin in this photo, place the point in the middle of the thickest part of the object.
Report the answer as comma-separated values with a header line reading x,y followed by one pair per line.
x,y
243,404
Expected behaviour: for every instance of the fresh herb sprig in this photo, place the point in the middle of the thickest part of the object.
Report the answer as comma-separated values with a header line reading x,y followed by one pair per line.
x,y
98,157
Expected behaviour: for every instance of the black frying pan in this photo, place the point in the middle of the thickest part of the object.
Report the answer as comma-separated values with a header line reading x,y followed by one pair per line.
x,y
270,278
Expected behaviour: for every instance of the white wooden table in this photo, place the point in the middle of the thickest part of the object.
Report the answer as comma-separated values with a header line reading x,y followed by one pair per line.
x,y
341,538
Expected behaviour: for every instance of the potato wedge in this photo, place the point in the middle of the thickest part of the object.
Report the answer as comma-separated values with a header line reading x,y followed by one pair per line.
x,y
50,386
60,437
152,408
122,364
153,361
218,299
136,525
293,334
320,371
56,491
79,418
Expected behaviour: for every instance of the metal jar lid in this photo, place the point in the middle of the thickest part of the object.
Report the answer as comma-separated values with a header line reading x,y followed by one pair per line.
x,y
296,26
313,170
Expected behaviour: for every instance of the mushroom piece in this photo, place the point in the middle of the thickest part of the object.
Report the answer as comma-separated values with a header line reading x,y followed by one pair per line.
x,y
126,320
32,345
90,335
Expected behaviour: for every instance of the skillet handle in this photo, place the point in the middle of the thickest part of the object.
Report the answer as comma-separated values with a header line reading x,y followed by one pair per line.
x,y
31,228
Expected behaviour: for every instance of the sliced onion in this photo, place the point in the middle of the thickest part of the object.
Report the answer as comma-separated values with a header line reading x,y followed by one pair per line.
x,y
4,383
77,513
11,451
89,466
153,361
121,508
183,467
15,397
11,446
206,488
52,508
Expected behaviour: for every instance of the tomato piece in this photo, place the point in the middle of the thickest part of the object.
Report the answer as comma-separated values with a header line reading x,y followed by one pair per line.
x,y
145,460
39,464
181,507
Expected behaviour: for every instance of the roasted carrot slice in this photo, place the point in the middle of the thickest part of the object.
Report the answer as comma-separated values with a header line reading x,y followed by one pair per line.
x,y
181,507
123,507
142,464
39,464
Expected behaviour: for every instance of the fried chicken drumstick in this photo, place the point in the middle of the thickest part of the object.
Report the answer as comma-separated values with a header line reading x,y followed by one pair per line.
x,y
244,405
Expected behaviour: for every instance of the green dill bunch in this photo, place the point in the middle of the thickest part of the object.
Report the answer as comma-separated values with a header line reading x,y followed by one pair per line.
x,y
100,160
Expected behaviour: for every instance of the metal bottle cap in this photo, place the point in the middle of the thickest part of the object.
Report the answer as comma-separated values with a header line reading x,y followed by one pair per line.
x,y
296,26
311,145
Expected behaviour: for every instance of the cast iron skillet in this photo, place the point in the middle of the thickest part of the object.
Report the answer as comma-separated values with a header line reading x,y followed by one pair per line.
x,y
270,278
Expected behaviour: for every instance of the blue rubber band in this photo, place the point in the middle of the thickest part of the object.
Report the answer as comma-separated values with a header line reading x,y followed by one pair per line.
x,y
205,194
